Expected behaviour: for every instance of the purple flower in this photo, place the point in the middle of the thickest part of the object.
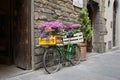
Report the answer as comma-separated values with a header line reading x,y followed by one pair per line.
x,y
75,25
42,35
70,32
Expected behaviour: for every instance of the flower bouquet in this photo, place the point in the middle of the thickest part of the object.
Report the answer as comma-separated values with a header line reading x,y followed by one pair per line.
x,y
50,28
70,30
49,32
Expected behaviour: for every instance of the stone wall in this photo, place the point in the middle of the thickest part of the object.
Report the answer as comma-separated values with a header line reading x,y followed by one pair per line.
x,y
100,44
51,10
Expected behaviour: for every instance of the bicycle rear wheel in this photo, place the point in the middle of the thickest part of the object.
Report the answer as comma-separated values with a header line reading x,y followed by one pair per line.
x,y
75,54
51,60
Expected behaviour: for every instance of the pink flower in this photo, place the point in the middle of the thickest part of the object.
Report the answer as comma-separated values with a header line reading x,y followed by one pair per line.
x,y
72,26
50,24
67,27
75,25
57,24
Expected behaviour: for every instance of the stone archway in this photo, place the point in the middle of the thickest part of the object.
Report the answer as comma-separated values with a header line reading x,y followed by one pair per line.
x,y
98,25
93,8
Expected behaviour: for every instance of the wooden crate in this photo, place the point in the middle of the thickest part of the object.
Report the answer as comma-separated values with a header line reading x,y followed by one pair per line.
x,y
77,38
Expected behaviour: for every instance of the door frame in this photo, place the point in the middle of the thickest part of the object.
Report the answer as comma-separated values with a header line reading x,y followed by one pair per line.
x,y
29,31
32,35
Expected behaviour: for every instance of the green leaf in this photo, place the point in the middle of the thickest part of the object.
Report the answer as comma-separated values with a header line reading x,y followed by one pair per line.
x,y
84,20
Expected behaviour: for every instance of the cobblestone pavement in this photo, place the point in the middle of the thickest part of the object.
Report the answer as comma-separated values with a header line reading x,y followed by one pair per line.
x,y
104,66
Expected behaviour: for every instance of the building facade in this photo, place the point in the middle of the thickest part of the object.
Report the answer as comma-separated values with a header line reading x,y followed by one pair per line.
x,y
105,24
116,22
110,17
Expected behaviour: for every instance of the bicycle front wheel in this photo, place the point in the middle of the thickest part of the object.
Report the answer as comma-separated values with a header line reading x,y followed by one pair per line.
x,y
51,60
75,54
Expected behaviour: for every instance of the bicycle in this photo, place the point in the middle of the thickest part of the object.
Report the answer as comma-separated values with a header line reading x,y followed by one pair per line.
x,y
55,55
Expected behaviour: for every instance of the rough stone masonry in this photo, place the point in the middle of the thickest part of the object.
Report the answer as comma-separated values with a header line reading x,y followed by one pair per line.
x,y
52,10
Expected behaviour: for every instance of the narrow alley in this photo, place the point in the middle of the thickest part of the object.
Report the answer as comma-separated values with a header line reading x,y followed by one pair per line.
x,y
104,66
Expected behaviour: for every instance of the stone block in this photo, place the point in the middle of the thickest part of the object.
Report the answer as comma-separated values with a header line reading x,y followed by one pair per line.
x,y
38,65
58,12
35,41
37,33
99,47
37,59
36,15
73,16
39,51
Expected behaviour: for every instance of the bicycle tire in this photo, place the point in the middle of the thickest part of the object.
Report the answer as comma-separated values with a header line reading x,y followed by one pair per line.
x,y
51,60
75,60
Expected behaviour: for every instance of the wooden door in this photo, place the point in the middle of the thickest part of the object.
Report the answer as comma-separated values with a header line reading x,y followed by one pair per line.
x,y
21,33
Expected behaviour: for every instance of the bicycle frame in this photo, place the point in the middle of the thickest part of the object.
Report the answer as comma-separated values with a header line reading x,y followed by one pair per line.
x,y
65,53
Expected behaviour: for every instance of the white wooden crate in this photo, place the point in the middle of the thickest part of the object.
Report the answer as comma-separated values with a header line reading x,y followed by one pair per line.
x,y
77,38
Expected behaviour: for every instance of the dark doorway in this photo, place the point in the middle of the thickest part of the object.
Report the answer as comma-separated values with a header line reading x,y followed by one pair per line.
x,y
114,22
15,33
89,43
5,32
